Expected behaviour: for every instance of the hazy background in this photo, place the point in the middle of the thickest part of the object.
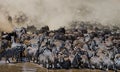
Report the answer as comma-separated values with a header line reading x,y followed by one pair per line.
x,y
57,13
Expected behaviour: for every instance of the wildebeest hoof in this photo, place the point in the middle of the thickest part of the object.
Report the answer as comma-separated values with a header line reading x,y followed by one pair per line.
x,y
107,69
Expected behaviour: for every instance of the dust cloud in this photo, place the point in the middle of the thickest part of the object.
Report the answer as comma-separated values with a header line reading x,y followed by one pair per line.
x,y
57,13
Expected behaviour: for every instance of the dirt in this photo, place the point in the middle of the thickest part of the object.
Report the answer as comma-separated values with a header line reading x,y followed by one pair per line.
x,y
31,67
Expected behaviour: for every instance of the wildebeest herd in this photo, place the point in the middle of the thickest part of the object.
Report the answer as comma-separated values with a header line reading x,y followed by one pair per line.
x,y
81,46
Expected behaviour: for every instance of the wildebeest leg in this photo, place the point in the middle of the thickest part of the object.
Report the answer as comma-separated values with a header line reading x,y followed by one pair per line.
x,y
12,58
114,68
56,64
53,65
37,61
89,64
17,60
7,59
92,66
29,58
47,65
100,66
107,68
34,60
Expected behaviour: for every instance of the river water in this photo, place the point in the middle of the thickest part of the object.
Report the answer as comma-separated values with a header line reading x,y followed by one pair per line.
x,y
31,67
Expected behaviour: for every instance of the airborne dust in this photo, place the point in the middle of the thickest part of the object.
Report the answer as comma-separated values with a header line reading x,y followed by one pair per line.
x,y
57,13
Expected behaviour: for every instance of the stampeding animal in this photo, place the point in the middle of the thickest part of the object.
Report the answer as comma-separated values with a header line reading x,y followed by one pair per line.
x,y
79,47
46,58
12,53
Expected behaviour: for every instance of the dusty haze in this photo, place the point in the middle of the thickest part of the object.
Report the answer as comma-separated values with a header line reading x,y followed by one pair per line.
x,y
57,13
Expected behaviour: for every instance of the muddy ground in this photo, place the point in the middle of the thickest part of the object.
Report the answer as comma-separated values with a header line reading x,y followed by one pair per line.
x,y
31,67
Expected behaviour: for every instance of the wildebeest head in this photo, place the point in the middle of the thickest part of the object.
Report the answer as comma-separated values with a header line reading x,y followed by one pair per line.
x,y
44,29
61,30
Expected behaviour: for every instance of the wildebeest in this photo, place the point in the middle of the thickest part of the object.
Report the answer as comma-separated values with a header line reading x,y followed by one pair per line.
x,y
31,53
46,58
80,47
12,53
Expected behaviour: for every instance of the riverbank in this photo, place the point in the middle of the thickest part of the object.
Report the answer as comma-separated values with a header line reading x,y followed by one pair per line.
x,y
31,67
